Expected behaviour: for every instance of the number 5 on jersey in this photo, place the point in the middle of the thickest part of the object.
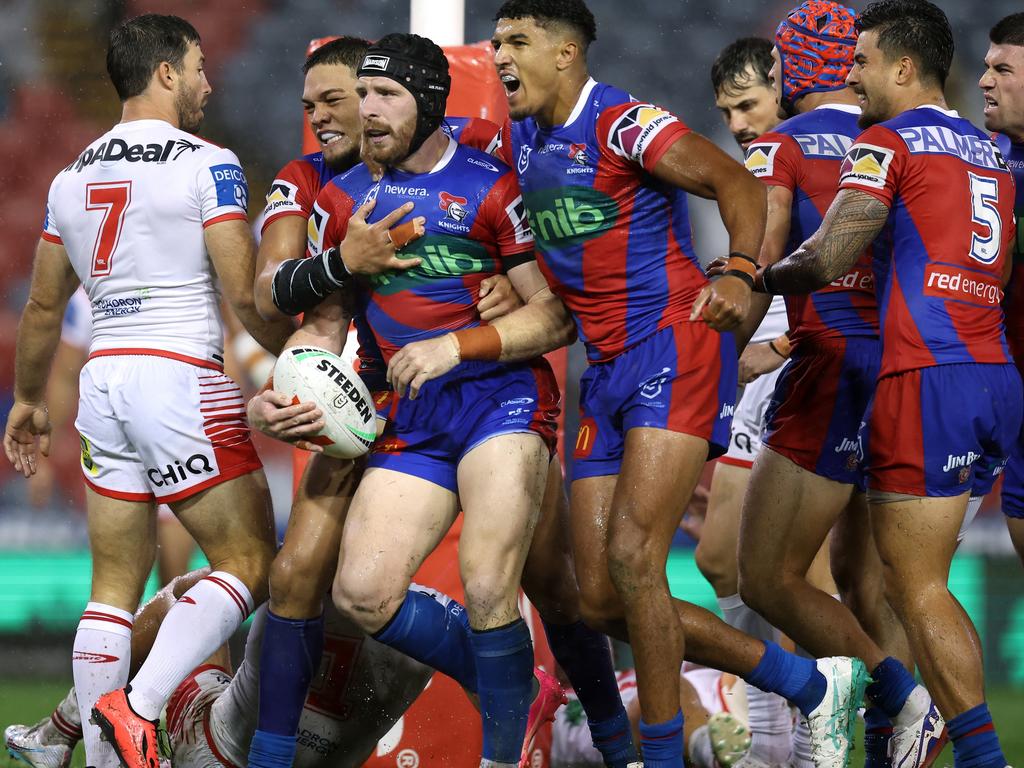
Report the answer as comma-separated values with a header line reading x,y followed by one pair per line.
x,y
112,198
984,194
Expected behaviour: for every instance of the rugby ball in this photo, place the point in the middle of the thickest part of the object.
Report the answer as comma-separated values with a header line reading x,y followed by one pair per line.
x,y
315,375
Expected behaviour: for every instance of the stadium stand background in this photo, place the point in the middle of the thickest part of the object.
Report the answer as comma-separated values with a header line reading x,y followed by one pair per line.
x,y
55,98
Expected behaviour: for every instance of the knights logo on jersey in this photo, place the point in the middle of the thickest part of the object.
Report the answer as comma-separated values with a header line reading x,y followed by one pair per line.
x,y
578,153
524,159
761,158
454,207
867,165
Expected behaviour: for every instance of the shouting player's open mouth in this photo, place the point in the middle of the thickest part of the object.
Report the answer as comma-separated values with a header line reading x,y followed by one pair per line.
x,y
511,84
329,137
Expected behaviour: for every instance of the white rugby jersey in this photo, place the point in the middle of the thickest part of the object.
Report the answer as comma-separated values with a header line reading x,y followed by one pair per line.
x,y
775,322
130,211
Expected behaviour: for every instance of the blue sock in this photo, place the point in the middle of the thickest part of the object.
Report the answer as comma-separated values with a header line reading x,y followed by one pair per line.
x,y
975,744
268,750
434,634
289,657
662,743
504,663
792,677
891,686
587,660
877,734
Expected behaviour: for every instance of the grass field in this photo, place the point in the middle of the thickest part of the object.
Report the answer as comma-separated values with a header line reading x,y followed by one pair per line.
x,y
23,702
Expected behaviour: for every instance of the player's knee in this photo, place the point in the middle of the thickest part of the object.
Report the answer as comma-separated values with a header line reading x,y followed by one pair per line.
x,y
756,591
296,586
488,591
366,601
633,554
551,587
599,611
252,569
717,568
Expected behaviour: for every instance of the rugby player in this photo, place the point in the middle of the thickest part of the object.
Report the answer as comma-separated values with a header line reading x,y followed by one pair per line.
x,y
1002,86
302,570
810,472
604,178
940,193
352,701
443,438
139,218
747,103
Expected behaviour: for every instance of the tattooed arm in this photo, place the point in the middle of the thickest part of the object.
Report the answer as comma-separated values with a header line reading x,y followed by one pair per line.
x,y
853,220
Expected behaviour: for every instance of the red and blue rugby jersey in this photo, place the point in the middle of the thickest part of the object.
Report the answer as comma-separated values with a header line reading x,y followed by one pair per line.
x,y
804,154
1013,305
295,189
613,242
476,227
940,259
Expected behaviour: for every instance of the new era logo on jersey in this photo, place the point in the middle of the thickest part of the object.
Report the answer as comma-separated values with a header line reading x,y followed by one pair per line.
x,y
636,128
867,165
231,186
761,158
454,207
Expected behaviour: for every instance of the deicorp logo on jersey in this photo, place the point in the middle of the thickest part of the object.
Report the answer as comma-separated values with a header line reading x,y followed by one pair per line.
x,y
231,186
117,149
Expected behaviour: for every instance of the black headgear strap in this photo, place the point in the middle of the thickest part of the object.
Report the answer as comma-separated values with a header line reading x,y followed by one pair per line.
x,y
428,84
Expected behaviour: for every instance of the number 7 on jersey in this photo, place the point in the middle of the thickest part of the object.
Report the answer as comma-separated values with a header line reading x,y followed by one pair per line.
x,y
112,198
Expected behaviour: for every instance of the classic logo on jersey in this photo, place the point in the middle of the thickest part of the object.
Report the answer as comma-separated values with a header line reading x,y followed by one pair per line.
x,y
867,165
441,256
116,150
524,159
231,186
636,128
482,164
517,216
938,139
315,229
454,207
761,158
570,213
824,145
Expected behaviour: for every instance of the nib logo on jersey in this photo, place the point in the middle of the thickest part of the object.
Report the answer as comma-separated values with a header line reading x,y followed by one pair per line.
x,y
567,216
442,256
117,150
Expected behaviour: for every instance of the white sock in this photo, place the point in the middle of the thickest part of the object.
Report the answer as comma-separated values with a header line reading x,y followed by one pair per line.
x,y
65,723
768,714
99,664
700,751
741,616
802,744
915,707
197,625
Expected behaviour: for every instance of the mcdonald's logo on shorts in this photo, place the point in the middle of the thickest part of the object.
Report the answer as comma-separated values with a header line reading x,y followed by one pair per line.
x,y
585,438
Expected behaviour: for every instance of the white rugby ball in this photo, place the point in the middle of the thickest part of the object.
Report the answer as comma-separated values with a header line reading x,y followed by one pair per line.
x,y
316,375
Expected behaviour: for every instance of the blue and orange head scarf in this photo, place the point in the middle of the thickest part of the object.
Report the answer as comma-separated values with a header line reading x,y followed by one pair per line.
x,y
816,42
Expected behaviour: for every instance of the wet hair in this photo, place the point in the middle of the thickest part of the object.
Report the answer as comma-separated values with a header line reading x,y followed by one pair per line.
x,y
570,13
139,45
731,64
915,28
347,51
1008,31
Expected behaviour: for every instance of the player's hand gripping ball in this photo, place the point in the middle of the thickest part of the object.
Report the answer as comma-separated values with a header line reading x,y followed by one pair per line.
x,y
315,375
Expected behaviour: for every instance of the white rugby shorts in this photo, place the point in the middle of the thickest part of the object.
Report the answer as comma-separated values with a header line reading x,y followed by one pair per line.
x,y
748,421
159,429
189,723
